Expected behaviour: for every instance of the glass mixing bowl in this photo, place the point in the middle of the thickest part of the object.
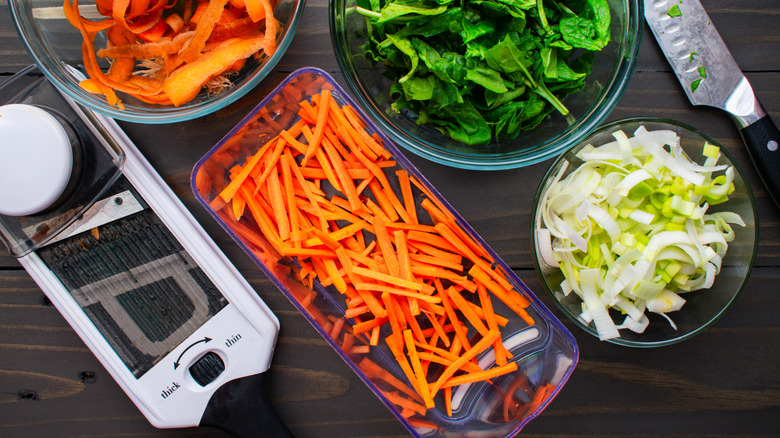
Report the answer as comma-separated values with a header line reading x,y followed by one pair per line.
x,y
610,74
702,307
55,46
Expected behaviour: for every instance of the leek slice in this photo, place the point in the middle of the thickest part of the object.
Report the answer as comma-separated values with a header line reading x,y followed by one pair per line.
x,y
630,230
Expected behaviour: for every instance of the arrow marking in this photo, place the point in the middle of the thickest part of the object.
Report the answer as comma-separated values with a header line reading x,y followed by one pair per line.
x,y
205,340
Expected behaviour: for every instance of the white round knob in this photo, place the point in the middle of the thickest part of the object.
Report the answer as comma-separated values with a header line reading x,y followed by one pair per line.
x,y
36,159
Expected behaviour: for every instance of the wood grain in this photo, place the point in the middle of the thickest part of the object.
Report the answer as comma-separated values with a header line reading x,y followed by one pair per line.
x,y
723,382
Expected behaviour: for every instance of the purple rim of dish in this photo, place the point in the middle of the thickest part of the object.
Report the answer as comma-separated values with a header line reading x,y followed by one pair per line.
x,y
554,325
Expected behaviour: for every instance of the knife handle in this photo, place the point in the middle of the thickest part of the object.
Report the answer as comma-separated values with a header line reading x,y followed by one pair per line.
x,y
763,144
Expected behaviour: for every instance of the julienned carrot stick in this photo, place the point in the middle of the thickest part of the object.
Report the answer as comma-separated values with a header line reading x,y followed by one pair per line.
x,y
270,161
438,328
374,339
448,400
277,202
362,327
467,311
400,282
418,370
386,246
472,352
481,375
460,333
492,322
238,206
410,312
404,262
356,311
404,402
420,423
439,214
437,253
374,287
406,192
323,192
384,202
395,343
501,293
319,128
432,238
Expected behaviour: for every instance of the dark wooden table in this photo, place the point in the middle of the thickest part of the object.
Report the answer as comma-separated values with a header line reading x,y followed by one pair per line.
x,y
725,381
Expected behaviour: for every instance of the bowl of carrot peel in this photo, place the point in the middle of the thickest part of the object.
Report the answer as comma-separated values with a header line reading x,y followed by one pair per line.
x,y
402,288
154,61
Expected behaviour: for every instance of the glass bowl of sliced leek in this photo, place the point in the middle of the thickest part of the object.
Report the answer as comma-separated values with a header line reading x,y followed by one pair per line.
x,y
644,234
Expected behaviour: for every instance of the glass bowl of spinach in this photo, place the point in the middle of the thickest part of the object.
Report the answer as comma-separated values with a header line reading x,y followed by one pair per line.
x,y
487,84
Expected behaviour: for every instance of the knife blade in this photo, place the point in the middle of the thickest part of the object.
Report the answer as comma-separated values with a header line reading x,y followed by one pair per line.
x,y
710,76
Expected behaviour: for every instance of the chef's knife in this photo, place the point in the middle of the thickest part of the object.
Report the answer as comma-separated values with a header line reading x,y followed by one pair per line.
x,y
710,76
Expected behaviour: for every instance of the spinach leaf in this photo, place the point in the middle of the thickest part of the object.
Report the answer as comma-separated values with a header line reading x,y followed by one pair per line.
x,y
491,79
519,4
550,62
589,30
566,74
463,122
579,32
419,88
405,46
494,100
512,118
602,18
448,21
444,94
472,31
491,8
398,11
505,56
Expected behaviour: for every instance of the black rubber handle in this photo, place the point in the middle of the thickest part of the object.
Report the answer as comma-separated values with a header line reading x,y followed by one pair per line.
x,y
763,144
243,409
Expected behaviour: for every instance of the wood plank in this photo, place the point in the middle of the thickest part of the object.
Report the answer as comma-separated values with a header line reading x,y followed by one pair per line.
x,y
13,55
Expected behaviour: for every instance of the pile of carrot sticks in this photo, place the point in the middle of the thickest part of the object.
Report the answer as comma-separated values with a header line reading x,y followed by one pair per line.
x,y
325,193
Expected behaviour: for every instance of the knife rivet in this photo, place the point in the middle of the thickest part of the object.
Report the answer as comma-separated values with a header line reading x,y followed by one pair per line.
x,y
772,145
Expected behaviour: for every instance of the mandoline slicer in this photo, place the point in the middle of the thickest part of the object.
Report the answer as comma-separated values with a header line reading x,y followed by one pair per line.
x,y
129,268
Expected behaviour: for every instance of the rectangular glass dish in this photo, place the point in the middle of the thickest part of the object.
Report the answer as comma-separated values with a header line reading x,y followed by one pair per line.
x,y
389,274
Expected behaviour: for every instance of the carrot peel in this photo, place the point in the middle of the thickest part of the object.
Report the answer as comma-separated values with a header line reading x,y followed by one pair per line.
x,y
168,42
